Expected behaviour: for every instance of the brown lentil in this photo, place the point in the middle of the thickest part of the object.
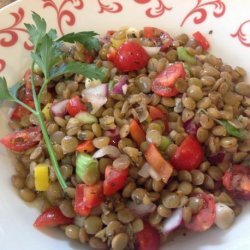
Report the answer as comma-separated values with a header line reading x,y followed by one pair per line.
x,y
67,209
185,188
92,224
27,194
202,134
195,204
215,173
171,200
18,181
114,227
197,177
72,231
125,215
186,214
96,243
120,241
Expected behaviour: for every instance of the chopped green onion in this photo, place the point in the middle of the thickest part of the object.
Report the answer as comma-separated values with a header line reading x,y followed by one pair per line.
x,y
111,85
86,118
184,56
87,169
231,130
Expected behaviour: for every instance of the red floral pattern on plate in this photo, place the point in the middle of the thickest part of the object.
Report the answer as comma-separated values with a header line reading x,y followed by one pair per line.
x,y
156,11
10,34
243,37
113,7
64,13
201,13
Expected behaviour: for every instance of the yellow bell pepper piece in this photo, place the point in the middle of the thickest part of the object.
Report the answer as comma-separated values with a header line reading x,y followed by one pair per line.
x,y
46,111
41,172
116,43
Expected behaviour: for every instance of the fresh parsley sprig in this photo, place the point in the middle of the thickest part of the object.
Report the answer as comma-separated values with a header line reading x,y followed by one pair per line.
x,y
49,57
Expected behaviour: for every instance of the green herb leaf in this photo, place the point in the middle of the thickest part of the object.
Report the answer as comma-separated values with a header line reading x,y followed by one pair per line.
x,y
38,30
48,54
5,94
231,130
87,38
13,89
88,70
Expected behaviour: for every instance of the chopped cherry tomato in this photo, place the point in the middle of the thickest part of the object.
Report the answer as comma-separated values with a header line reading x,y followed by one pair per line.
x,y
201,40
237,181
114,180
111,54
87,197
189,155
158,35
156,113
27,79
52,217
136,131
85,147
93,195
164,83
74,106
148,238
205,218
157,162
130,56
19,111
23,139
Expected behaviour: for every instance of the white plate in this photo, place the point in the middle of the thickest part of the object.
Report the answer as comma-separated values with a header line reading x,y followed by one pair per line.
x,y
230,26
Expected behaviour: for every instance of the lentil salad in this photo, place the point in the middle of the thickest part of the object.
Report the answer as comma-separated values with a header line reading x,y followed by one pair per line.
x,y
167,137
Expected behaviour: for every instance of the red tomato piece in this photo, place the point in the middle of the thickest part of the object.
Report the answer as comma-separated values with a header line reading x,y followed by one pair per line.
x,y
158,163
52,217
237,181
93,195
19,111
86,146
74,106
23,139
130,56
148,238
189,155
79,206
164,83
205,218
156,113
114,180
111,54
136,131
203,42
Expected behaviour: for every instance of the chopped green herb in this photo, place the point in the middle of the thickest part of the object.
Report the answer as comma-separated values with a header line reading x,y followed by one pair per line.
x,y
87,38
231,130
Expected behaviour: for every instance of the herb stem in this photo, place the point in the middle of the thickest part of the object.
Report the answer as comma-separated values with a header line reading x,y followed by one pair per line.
x,y
25,106
44,85
45,133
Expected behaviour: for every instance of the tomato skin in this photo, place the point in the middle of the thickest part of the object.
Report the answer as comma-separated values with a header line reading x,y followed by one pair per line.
x,y
74,106
130,56
136,131
19,111
86,147
189,155
157,162
93,195
79,206
205,218
237,181
23,139
164,83
52,217
201,40
148,238
114,180
156,113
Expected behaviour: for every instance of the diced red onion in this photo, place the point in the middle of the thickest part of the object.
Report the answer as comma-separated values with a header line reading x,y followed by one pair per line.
x,y
104,39
151,51
146,171
118,88
59,108
141,210
112,132
173,222
114,140
217,158
109,150
190,127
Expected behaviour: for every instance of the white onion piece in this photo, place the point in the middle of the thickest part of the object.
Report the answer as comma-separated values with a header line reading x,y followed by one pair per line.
x,y
173,222
109,150
224,216
146,171
141,209
99,90
125,89
59,108
151,51
97,96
